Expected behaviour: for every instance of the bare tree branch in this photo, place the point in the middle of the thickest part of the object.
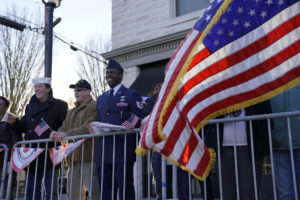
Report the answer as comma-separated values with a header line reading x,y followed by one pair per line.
x,y
92,69
21,60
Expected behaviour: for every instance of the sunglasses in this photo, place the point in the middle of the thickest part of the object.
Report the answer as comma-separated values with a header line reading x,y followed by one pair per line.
x,y
79,89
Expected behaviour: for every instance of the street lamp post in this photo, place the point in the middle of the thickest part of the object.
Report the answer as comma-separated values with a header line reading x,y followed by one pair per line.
x,y
50,5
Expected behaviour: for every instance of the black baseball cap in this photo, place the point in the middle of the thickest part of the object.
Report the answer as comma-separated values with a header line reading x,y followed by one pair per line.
x,y
81,84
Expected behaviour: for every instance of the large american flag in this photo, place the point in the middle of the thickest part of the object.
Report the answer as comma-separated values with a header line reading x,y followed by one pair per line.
x,y
239,53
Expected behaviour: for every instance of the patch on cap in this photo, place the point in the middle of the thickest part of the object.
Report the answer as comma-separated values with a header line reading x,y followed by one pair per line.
x,y
81,84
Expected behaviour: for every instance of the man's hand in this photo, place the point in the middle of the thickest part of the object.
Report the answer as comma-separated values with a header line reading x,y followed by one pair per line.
x,y
55,135
10,119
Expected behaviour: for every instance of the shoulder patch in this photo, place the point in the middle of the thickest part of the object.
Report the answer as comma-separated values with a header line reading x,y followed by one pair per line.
x,y
139,105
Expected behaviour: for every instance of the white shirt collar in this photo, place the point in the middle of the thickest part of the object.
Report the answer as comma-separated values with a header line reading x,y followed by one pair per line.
x,y
116,88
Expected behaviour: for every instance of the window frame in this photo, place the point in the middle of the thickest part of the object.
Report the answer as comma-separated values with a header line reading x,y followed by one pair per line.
x,y
172,9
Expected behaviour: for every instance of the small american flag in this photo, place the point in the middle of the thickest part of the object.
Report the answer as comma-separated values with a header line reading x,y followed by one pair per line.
x,y
41,128
130,122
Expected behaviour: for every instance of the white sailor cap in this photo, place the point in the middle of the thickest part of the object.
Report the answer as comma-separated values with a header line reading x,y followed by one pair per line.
x,y
45,80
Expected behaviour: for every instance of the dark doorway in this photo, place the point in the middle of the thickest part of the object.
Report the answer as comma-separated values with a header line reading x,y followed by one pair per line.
x,y
151,74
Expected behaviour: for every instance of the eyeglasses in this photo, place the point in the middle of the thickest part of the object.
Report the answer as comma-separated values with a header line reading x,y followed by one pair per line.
x,y
79,89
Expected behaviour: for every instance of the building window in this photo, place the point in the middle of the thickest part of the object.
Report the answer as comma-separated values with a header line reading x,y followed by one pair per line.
x,y
183,7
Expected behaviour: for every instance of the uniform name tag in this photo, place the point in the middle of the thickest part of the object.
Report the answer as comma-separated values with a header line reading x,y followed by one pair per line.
x,y
122,104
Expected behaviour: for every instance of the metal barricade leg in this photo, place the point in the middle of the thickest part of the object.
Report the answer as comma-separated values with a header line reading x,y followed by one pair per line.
x,y
157,170
174,181
51,179
113,170
70,173
272,160
34,184
61,180
81,174
148,176
163,178
92,168
101,170
9,183
3,163
292,156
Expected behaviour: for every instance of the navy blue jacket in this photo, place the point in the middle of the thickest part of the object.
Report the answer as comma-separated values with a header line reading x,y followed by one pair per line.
x,y
125,102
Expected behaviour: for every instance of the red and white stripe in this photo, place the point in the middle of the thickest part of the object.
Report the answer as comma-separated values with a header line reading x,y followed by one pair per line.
x,y
130,124
240,75
59,153
175,64
178,148
22,157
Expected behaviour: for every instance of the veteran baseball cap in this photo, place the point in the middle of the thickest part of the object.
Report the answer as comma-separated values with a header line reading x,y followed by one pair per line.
x,y
81,84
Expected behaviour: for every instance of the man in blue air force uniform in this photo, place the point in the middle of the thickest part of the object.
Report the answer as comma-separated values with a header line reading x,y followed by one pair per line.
x,y
114,107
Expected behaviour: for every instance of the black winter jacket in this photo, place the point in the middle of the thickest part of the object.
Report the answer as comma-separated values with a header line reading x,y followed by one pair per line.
x,y
8,136
53,112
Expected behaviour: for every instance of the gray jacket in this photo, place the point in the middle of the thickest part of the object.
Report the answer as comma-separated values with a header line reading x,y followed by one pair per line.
x,y
288,101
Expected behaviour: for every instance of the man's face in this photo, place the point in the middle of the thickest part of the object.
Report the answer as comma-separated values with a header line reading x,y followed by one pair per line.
x,y
3,108
41,91
81,94
113,77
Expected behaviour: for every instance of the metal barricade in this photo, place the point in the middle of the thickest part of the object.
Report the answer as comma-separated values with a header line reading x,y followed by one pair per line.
x,y
39,172
144,177
59,187
4,158
200,190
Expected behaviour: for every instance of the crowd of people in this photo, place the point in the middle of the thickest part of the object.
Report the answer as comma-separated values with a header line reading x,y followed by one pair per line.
x,y
117,105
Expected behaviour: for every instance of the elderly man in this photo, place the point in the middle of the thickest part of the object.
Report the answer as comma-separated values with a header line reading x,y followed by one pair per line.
x,y
42,108
75,123
115,107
